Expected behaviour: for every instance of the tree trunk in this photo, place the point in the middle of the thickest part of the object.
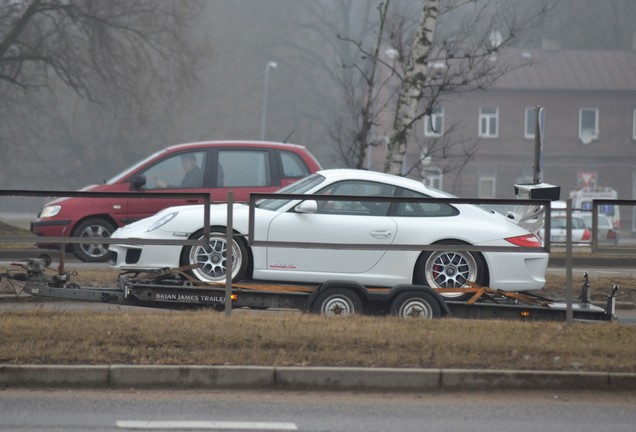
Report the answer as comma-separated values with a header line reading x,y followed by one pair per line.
x,y
411,89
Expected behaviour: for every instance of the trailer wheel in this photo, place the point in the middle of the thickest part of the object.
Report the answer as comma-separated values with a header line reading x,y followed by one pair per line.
x,y
418,305
211,259
93,252
337,302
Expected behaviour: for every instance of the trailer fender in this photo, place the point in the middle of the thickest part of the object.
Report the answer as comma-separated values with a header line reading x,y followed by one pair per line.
x,y
337,298
403,297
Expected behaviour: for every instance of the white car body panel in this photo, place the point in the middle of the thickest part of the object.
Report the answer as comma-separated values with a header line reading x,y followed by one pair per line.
x,y
509,271
321,228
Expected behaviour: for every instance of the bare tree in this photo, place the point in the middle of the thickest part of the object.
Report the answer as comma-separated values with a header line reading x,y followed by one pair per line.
x,y
452,47
115,43
354,135
126,58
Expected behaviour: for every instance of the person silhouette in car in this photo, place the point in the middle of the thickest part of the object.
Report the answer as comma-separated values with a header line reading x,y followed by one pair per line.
x,y
193,176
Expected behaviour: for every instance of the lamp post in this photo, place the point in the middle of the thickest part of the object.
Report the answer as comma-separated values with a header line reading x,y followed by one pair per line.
x,y
269,66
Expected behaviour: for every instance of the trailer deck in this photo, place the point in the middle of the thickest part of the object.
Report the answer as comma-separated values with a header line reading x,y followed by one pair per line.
x,y
175,289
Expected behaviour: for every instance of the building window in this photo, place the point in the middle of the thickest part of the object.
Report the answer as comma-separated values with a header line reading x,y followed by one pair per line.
x,y
588,125
487,184
432,177
434,124
528,131
488,122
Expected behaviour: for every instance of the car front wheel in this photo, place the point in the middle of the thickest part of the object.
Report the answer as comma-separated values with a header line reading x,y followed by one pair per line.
x,y
93,252
211,259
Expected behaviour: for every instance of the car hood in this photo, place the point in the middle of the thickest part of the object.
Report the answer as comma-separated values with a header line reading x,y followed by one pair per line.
x,y
188,219
89,188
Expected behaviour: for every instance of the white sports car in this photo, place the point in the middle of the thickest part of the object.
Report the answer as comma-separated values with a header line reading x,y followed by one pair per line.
x,y
344,222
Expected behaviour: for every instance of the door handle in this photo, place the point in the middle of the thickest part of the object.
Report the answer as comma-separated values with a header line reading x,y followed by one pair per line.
x,y
380,234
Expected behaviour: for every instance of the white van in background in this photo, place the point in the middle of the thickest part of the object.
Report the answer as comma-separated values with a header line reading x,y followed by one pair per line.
x,y
582,200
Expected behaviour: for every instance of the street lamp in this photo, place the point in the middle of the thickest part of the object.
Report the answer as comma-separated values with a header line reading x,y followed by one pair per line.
x,y
269,66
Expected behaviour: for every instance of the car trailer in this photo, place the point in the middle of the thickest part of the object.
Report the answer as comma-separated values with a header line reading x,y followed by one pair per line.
x,y
175,289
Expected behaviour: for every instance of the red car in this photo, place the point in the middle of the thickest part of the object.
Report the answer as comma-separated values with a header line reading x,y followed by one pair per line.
x,y
215,167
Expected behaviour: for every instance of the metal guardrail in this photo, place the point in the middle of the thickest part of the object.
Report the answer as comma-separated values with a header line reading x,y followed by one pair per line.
x,y
596,244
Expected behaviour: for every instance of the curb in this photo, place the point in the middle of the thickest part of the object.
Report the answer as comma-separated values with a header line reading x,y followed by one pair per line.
x,y
306,378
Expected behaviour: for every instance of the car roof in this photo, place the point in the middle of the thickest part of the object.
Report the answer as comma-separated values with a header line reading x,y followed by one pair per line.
x,y
236,143
356,174
563,216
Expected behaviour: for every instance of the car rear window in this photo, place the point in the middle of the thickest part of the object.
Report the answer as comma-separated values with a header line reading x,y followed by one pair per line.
x,y
293,165
422,209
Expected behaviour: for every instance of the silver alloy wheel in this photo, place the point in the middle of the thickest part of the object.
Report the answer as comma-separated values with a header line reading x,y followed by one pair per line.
x,y
416,308
211,260
94,250
450,270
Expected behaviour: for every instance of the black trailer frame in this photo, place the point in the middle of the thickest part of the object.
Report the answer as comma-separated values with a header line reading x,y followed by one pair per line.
x,y
175,289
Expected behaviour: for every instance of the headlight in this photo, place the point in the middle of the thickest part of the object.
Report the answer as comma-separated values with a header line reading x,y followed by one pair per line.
x,y
162,221
50,211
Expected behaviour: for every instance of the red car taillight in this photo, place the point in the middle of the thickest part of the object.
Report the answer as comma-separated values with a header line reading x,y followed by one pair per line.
x,y
587,235
527,240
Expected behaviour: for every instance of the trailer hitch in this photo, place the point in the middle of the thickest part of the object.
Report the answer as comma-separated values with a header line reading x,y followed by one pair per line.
x,y
34,271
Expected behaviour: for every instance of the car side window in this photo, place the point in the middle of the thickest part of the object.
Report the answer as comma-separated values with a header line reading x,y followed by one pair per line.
x,y
360,208
243,168
293,165
557,223
422,209
179,171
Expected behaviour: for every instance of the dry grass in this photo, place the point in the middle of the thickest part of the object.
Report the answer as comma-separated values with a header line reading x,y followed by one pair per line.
x,y
292,338
8,230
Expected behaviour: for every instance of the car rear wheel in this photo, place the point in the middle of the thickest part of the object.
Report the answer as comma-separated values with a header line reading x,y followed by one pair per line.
x,y
211,259
450,269
93,252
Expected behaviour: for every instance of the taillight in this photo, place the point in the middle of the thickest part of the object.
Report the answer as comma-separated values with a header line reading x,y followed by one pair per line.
x,y
526,240
587,235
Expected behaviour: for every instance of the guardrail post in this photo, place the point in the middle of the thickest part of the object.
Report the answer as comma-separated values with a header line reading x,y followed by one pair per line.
x,y
229,254
569,314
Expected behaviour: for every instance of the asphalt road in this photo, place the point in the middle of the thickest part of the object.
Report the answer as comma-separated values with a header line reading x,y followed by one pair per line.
x,y
87,410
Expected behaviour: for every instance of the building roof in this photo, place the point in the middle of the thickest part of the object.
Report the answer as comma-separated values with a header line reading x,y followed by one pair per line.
x,y
569,70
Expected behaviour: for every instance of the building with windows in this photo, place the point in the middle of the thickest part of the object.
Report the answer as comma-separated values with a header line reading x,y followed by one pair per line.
x,y
589,101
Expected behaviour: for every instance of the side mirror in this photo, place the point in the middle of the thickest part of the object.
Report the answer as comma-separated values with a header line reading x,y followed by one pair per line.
x,y
138,182
309,206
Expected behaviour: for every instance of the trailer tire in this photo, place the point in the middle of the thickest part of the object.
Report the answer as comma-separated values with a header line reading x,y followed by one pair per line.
x,y
337,302
416,305
211,259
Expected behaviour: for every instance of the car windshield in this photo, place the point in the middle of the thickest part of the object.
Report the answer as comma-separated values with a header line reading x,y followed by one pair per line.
x,y
128,170
299,187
